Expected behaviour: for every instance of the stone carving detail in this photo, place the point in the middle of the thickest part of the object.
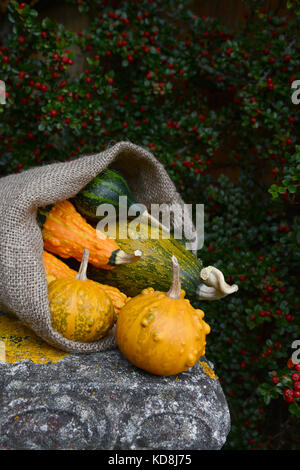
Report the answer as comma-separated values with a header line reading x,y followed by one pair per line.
x,y
101,401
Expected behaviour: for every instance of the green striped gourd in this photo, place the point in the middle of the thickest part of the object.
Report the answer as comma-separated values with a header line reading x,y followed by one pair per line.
x,y
103,189
106,188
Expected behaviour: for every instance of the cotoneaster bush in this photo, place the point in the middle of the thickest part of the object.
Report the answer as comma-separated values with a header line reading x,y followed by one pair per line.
x,y
209,103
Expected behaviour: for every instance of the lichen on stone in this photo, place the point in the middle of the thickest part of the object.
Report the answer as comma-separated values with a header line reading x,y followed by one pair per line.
x,y
18,342
208,370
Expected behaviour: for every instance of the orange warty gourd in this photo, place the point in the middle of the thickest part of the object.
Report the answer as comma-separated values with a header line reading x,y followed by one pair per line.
x,y
66,233
57,269
118,298
160,332
50,278
80,309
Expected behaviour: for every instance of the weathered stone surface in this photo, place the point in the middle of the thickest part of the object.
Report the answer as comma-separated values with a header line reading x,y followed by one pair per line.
x,y
101,401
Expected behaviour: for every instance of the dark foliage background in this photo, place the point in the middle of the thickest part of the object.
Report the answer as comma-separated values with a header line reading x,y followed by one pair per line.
x,y
214,105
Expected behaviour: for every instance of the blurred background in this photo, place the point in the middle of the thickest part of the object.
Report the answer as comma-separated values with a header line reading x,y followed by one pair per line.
x,y
206,87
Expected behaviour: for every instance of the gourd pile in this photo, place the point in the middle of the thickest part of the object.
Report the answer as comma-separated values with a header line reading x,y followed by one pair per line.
x,y
135,281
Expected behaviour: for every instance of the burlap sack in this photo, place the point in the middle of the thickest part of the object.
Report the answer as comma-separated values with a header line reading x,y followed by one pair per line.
x,y
23,288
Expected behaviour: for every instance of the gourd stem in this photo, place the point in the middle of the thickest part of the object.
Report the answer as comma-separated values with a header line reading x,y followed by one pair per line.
x,y
175,289
83,266
126,258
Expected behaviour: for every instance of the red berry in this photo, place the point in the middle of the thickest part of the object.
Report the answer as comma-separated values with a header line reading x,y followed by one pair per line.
x,y
110,81
21,39
289,317
296,377
297,366
5,59
297,385
275,380
296,393
53,113
290,364
288,394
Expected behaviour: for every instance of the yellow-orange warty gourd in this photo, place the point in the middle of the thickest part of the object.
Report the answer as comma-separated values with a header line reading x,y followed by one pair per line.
x,y
57,269
80,309
160,332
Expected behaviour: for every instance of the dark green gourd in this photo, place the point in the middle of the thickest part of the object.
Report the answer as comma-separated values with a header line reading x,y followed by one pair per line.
x,y
106,188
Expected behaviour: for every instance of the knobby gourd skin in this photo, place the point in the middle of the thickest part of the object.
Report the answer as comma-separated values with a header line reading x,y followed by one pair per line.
x,y
80,309
57,269
160,332
66,233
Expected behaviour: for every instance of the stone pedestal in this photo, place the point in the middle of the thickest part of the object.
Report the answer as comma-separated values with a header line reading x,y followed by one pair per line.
x,y
101,401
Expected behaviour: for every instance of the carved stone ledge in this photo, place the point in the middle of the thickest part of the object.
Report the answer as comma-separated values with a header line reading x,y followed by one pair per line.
x,y
101,401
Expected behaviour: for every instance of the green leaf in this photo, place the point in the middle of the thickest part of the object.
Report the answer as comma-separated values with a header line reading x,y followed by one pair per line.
x,y
294,409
